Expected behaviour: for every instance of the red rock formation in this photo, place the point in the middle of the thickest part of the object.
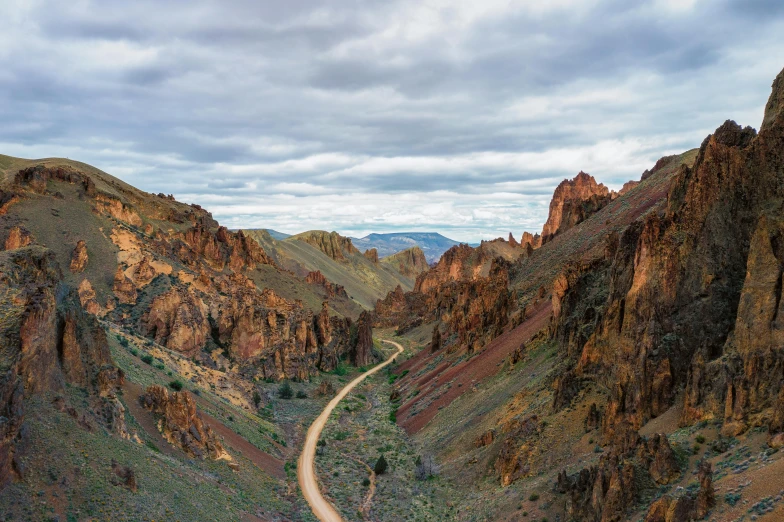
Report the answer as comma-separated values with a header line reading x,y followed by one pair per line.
x,y
124,289
331,289
50,342
178,320
362,351
458,263
573,201
87,298
181,424
629,185
372,255
220,248
512,241
331,243
79,257
513,460
143,273
531,241
410,262
18,237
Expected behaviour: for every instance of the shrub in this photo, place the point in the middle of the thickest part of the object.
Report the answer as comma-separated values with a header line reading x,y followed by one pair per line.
x,y
285,391
256,398
175,385
302,395
381,466
533,497
147,359
366,482
700,439
123,342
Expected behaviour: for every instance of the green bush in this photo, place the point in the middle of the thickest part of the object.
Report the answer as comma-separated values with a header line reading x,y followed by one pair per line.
x,y
700,439
285,391
256,398
533,497
366,482
147,359
175,385
302,395
381,466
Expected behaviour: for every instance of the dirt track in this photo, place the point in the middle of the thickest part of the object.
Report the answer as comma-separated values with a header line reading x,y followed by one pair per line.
x,y
306,467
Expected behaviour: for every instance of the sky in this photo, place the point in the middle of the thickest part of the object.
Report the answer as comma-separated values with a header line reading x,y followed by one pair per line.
x,y
453,116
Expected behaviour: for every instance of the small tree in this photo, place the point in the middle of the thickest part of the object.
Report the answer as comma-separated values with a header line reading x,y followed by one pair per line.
x,y
302,395
381,466
175,385
256,398
285,391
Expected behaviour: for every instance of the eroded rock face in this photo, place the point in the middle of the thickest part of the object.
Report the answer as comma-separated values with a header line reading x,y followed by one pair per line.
x,y
573,201
458,263
123,287
181,424
687,506
18,237
513,460
362,352
372,255
531,241
143,273
177,319
79,257
331,243
410,262
48,341
331,289
219,248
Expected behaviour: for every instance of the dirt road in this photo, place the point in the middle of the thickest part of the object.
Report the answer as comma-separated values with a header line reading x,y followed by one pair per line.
x,y
306,467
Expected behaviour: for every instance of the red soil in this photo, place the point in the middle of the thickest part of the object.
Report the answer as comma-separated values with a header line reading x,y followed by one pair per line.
x,y
465,374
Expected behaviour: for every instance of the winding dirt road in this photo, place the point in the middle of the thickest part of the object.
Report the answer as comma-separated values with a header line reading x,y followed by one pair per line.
x,y
306,467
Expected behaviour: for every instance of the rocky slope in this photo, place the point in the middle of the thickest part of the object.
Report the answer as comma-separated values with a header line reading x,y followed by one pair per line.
x,y
649,319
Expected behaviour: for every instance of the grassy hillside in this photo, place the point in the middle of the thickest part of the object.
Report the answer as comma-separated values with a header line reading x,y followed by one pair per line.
x,y
364,281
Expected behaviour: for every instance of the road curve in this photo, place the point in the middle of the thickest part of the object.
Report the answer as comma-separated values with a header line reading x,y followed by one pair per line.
x,y
306,466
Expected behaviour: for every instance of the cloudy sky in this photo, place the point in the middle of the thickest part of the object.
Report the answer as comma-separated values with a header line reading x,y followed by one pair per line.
x,y
379,115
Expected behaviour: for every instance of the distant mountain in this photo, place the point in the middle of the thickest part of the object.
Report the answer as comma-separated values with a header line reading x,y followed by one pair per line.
x,y
277,235
432,244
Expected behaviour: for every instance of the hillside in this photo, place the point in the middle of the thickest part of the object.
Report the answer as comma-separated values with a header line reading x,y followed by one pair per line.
x,y
337,260
142,349
432,244
626,368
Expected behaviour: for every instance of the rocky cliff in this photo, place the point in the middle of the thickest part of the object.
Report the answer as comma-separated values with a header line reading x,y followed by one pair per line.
x,y
573,201
410,262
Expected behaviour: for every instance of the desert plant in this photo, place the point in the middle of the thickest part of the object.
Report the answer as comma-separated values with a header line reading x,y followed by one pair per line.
x,y
175,385
302,395
256,398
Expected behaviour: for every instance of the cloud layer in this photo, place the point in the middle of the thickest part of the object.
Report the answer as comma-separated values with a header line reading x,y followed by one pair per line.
x,y
455,116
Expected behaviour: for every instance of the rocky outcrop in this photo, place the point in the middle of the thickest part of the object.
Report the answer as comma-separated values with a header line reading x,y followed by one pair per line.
x,y
362,351
461,262
177,319
512,241
181,424
687,506
123,287
627,187
48,341
689,296
372,255
410,262
601,493
531,241
143,273
514,458
79,257
435,341
18,237
219,248
331,289
573,201
331,243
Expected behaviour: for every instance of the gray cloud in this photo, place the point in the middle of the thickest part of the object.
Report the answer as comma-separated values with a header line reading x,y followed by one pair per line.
x,y
456,116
